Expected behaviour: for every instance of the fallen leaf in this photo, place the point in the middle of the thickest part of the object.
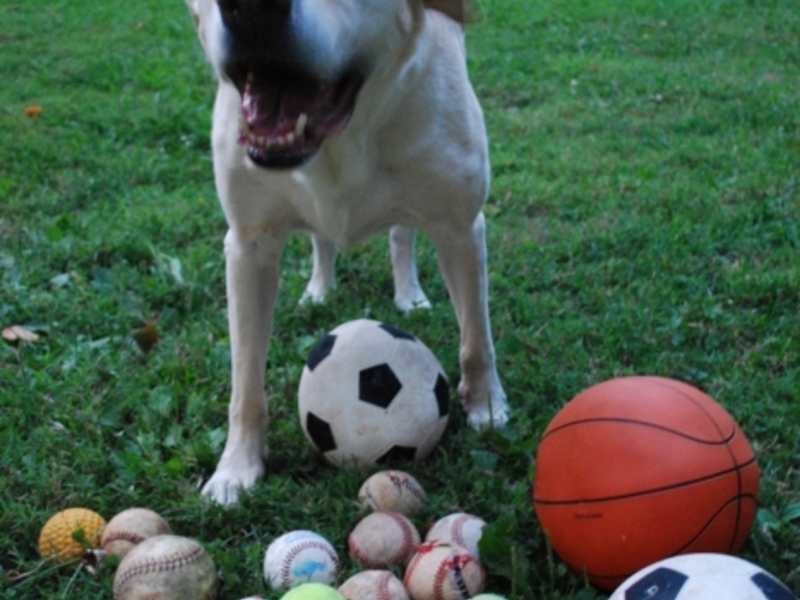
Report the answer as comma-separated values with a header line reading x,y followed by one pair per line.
x,y
16,333
146,337
33,111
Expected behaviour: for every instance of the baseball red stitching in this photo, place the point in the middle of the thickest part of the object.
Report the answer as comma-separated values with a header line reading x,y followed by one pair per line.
x,y
400,557
455,564
408,539
357,553
404,482
297,549
383,586
438,580
150,565
421,551
126,536
458,529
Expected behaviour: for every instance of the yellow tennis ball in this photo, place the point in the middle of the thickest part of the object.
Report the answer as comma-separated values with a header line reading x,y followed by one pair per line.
x,y
68,534
312,591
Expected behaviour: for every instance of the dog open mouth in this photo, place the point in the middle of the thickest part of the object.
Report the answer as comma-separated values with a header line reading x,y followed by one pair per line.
x,y
286,117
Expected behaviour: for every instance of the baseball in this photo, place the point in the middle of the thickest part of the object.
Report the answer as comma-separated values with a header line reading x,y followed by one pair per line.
x,y
441,571
382,540
131,527
298,557
394,491
372,585
67,535
461,529
169,567
488,597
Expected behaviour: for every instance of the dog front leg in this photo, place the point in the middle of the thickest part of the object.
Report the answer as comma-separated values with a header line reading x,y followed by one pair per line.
x,y
252,270
462,259
323,273
408,294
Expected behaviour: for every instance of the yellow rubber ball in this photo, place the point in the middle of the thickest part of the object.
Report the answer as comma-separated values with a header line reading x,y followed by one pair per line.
x,y
67,535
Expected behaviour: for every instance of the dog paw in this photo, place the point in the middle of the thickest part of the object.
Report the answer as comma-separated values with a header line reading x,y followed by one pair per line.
x,y
492,412
495,417
416,300
230,480
311,297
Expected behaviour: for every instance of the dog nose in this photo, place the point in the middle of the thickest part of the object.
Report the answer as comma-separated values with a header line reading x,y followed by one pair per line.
x,y
237,10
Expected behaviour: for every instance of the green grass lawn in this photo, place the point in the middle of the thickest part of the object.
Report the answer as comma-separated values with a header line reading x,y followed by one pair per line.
x,y
643,219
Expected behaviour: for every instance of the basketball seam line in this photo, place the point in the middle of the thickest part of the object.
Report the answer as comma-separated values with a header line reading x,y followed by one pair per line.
x,y
730,451
680,550
737,468
721,442
731,454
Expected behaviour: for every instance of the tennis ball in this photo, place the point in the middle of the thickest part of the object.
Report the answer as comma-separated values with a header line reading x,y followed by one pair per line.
x,y
67,535
312,591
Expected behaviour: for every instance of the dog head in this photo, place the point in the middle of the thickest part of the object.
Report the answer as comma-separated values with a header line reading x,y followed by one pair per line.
x,y
299,64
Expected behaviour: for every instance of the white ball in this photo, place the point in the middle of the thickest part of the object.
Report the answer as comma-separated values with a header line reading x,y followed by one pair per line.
x,y
702,576
441,571
298,557
382,540
369,585
166,566
394,491
370,393
131,527
461,528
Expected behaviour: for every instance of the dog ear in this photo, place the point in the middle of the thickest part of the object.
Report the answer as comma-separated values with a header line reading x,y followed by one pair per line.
x,y
463,11
194,9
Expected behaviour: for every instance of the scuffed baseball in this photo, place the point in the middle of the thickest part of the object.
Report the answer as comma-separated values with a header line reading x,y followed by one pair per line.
x,y
374,585
460,528
298,557
166,566
131,527
394,491
442,571
382,540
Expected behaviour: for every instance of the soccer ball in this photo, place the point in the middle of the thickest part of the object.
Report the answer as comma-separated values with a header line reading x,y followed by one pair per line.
x,y
702,577
371,394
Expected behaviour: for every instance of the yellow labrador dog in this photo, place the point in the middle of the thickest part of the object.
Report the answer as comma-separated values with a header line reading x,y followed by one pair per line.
x,y
343,118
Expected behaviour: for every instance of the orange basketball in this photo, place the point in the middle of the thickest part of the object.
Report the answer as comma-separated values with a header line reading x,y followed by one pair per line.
x,y
638,469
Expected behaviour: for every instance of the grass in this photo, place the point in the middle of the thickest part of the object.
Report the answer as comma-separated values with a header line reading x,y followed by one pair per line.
x,y
643,219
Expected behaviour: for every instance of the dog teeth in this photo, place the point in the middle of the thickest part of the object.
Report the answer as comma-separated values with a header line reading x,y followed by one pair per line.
x,y
244,126
300,126
264,142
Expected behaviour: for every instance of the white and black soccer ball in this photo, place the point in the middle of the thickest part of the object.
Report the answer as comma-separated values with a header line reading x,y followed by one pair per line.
x,y
372,394
702,576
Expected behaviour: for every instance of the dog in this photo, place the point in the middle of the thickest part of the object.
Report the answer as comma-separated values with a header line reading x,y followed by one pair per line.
x,y
343,118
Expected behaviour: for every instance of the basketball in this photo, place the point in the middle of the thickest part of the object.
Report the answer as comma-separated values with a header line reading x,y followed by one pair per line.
x,y
637,469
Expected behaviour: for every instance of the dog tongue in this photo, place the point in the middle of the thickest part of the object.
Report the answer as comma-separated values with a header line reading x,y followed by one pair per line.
x,y
272,111
271,106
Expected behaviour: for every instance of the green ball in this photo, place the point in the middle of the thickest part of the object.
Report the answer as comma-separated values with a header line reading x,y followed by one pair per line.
x,y
312,591
487,597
